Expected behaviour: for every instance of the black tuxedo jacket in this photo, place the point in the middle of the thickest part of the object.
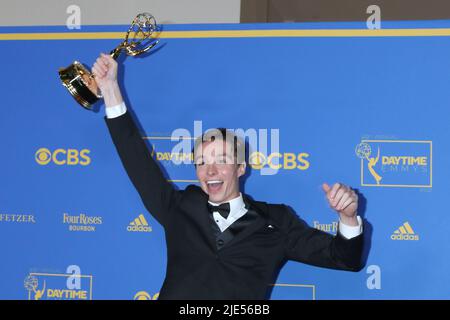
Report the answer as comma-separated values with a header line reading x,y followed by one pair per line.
x,y
244,260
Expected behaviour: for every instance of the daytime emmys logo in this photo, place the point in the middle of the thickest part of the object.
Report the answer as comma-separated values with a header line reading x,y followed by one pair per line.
x,y
257,140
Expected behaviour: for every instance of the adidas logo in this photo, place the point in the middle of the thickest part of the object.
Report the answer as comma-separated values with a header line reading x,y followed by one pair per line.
x,y
405,232
139,225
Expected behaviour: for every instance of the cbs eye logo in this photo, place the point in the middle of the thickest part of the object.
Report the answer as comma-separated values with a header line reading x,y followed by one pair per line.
x,y
143,295
70,157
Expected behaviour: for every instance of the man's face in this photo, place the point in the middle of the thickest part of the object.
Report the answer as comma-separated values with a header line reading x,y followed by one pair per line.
x,y
218,171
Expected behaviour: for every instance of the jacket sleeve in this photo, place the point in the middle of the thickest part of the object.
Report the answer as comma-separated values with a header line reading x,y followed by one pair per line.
x,y
311,246
156,192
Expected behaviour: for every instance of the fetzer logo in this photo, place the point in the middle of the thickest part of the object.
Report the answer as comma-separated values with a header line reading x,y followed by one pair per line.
x,y
139,225
405,232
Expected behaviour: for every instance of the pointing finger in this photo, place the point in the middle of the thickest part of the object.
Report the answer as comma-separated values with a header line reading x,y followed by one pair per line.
x,y
325,187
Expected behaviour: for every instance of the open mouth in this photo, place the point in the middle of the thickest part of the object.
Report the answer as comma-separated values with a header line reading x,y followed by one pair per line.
x,y
214,185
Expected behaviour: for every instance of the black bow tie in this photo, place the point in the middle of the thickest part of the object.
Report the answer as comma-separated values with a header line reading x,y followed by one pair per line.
x,y
223,209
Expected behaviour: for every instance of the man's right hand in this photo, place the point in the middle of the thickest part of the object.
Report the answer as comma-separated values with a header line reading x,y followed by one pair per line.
x,y
105,72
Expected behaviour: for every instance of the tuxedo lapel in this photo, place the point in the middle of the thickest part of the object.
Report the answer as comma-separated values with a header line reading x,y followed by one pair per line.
x,y
236,228
249,223
195,206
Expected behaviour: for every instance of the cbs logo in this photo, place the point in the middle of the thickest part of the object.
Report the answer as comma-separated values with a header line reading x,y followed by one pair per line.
x,y
276,160
143,295
70,157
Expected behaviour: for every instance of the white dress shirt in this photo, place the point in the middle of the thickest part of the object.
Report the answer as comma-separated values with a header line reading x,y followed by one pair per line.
x,y
237,206
116,111
237,210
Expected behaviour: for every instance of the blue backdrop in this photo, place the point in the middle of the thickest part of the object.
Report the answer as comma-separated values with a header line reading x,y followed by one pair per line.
x,y
371,111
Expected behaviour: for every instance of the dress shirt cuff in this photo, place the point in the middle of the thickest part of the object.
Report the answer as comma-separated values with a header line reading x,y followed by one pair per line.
x,y
350,232
116,111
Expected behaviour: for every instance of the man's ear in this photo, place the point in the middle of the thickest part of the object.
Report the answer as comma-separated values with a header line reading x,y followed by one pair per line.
x,y
241,169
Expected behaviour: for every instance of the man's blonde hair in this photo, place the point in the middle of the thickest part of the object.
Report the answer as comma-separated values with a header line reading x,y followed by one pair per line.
x,y
225,135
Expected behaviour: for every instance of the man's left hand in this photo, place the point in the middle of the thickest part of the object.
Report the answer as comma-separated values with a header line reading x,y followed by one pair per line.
x,y
344,200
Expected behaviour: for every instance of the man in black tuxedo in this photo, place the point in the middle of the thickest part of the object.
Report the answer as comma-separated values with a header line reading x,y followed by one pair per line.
x,y
220,243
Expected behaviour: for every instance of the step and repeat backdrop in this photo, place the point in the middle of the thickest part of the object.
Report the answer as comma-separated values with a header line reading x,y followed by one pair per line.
x,y
332,102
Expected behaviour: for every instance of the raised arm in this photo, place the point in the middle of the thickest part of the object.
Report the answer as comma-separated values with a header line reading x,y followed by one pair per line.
x,y
157,194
